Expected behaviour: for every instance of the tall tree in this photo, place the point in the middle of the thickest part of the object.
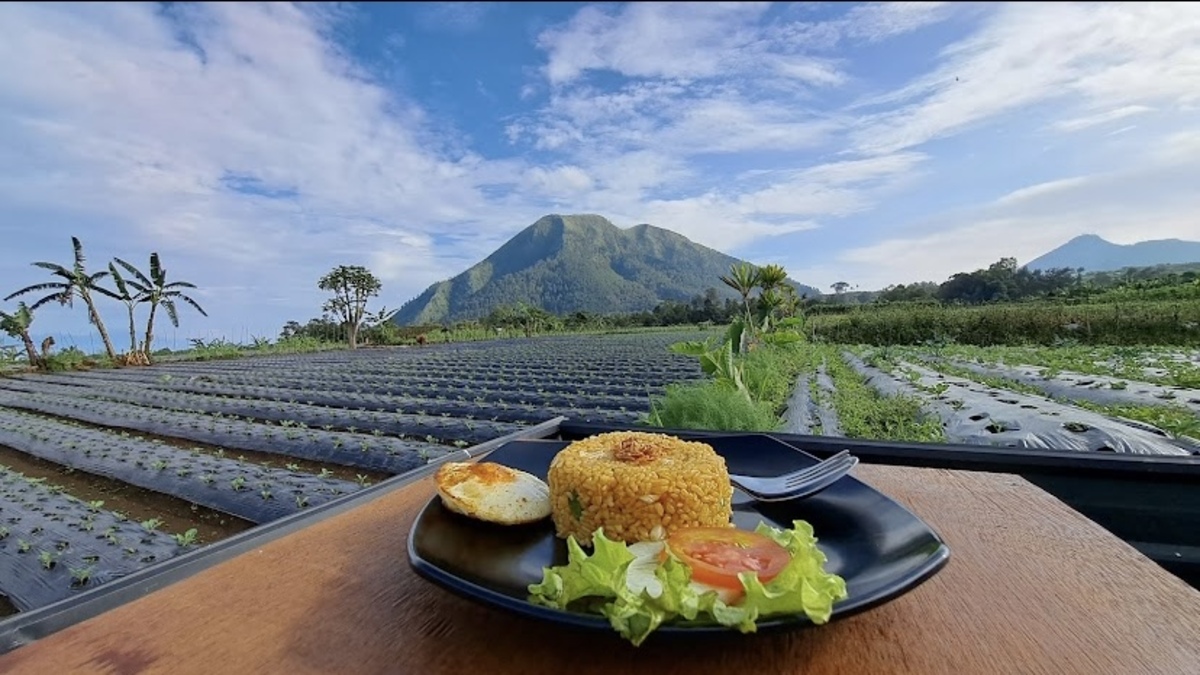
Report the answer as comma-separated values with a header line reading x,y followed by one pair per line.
x,y
154,290
130,300
352,286
73,281
743,278
17,325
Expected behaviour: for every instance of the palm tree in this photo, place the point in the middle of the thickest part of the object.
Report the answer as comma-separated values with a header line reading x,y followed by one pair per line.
x,y
74,281
156,291
17,325
743,278
771,277
131,300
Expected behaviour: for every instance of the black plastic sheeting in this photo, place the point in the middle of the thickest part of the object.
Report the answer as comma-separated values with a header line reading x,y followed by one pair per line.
x,y
446,429
825,412
982,415
1095,388
53,545
479,401
797,418
255,493
533,389
810,412
364,451
484,400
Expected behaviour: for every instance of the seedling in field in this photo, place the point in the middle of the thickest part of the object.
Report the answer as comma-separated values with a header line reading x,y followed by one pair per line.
x,y
23,546
238,483
362,480
301,501
94,507
47,559
152,524
265,494
81,575
187,538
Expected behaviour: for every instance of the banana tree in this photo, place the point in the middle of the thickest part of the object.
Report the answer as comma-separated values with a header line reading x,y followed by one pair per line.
x,y
743,278
155,291
130,300
73,281
17,325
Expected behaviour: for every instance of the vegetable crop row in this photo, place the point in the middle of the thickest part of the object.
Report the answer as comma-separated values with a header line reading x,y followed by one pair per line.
x,y
973,413
303,415
488,367
428,382
483,401
255,493
53,545
364,451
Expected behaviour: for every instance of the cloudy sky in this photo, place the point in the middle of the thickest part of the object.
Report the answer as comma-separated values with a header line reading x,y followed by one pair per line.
x,y
257,146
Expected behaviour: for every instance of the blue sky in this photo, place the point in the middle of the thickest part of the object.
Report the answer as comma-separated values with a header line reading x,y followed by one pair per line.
x,y
257,146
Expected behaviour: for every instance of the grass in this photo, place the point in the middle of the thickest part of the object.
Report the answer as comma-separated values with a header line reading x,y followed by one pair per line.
x,y
710,405
864,413
769,373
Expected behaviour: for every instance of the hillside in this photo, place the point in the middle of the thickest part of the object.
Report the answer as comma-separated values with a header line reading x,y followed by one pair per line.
x,y
1095,254
571,263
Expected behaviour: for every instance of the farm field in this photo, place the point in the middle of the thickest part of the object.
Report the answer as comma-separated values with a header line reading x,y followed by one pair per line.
x,y
1007,396
106,472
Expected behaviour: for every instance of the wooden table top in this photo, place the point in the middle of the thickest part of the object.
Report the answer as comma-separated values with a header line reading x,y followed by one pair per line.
x,y
1032,587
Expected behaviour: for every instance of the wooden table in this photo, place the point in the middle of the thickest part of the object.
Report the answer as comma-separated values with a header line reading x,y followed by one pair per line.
x,y
1032,587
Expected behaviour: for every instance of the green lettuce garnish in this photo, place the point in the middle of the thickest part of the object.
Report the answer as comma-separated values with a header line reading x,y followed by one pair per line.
x,y
637,593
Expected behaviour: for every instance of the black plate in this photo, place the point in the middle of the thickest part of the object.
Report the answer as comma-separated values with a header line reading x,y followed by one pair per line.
x,y
879,547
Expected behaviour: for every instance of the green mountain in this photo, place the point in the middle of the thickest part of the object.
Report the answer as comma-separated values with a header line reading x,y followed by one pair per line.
x,y
571,263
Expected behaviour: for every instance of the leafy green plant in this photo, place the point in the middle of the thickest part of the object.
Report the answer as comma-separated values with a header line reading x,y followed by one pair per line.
x,y
81,575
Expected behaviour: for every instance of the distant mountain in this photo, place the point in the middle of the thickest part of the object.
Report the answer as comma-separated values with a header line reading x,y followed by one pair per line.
x,y
1094,254
571,263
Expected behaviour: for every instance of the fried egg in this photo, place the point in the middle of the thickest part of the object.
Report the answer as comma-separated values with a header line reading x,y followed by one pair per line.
x,y
493,492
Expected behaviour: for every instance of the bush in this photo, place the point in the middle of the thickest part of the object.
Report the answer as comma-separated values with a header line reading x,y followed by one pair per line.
x,y
710,405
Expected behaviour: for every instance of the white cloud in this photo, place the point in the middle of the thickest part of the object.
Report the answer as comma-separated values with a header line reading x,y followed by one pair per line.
x,y
672,40
145,133
1151,200
1086,122
559,182
1033,192
1100,56
878,20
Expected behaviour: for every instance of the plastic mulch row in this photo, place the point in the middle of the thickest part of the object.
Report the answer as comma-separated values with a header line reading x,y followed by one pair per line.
x,y
255,493
53,545
364,451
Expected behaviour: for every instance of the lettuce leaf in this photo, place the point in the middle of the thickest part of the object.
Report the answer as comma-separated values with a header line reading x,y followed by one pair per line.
x,y
637,593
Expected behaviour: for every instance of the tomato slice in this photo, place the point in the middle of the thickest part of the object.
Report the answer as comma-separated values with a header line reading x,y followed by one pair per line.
x,y
717,554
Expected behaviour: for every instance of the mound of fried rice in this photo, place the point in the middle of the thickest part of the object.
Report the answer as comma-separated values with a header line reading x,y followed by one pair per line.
x,y
638,486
